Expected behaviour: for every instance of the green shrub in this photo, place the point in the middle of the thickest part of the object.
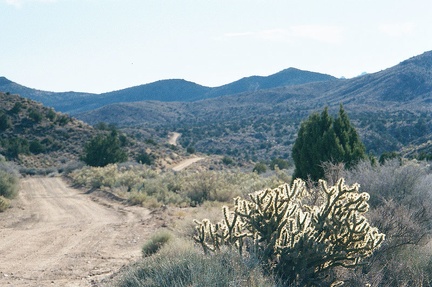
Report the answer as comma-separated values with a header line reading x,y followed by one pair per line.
x,y
321,139
16,108
62,120
190,150
279,163
51,115
36,147
17,146
300,235
226,160
4,203
386,156
5,122
35,115
103,150
145,158
8,184
156,242
260,167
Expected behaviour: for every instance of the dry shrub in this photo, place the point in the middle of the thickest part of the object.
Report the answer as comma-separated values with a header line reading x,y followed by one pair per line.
x,y
4,203
8,180
401,206
179,263
174,188
156,242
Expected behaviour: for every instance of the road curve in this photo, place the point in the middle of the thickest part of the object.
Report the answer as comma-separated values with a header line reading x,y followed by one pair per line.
x,y
58,236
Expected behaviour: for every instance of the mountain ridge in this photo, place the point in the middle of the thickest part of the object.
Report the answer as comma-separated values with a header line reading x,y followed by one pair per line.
x,y
391,109
171,90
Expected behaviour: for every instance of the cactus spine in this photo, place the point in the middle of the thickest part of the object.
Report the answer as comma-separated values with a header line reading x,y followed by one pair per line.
x,y
295,234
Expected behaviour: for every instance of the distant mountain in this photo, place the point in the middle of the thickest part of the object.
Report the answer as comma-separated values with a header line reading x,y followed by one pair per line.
x,y
63,102
391,109
287,77
164,91
258,117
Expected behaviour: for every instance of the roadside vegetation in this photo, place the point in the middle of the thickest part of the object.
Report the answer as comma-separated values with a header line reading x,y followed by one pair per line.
x,y
141,185
399,205
351,219
372,231
9,177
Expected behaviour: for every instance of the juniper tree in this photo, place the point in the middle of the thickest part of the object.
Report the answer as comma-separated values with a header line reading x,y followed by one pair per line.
x,y
103,150
324,139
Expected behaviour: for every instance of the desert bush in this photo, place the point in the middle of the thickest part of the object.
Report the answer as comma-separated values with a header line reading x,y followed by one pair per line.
x,y
180,264
71,166
51,115
299,234
4,203
226,160
17,146
401,206
8,184
36,147
102,150
156,242
5,122
278,163
9,177
260,168
190,150
35,115
16,108
145,158
177,188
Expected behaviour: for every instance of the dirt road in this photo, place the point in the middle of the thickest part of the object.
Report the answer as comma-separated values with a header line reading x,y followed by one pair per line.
x,y
185,163
59,236
173,138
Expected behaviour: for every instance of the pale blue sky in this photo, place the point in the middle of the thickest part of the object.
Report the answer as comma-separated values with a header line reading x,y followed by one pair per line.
x,y
105,45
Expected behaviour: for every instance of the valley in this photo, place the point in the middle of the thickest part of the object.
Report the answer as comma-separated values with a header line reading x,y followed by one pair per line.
x,y
185,151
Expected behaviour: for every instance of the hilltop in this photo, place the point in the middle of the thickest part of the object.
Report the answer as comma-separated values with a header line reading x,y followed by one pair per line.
x,y
174,90
39,137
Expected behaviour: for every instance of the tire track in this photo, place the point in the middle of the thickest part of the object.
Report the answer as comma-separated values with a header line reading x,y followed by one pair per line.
x,y
58,236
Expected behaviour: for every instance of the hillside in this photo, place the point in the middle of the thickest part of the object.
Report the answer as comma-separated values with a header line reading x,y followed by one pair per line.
x,y
391,109
165,91
38,137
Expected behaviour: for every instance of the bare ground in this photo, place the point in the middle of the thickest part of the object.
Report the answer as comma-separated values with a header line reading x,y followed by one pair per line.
x,y
59,236
173,138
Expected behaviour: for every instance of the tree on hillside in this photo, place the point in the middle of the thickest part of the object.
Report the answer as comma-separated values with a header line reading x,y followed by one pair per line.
x,y
103,150
324,139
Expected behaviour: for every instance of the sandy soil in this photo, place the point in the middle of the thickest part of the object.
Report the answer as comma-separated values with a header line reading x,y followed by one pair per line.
x,y
59,236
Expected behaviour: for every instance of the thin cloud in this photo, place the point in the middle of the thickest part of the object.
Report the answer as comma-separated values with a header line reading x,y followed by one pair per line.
x,y
397,29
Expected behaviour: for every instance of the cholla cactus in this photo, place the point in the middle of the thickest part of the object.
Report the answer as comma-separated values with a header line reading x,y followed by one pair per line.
x,y
299,241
